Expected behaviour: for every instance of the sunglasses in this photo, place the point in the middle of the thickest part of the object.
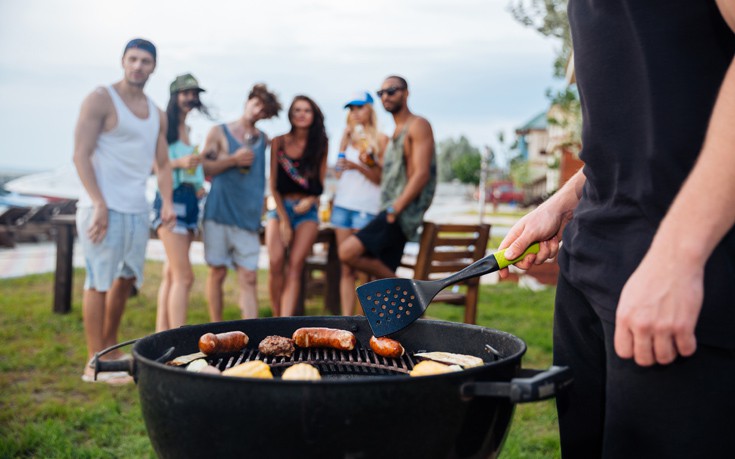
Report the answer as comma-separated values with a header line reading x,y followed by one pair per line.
x,y
389,91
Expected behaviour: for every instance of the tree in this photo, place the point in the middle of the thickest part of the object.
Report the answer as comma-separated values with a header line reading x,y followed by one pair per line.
x,y
456,158
467,168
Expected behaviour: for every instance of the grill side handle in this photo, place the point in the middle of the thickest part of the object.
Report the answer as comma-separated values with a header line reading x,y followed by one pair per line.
x,y
127,365
529,386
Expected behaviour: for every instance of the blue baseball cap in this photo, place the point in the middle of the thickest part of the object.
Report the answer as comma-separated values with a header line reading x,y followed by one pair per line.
x,y
359,99
140,43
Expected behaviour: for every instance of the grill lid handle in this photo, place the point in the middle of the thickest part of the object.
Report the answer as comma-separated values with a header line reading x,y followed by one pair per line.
x,y
530,386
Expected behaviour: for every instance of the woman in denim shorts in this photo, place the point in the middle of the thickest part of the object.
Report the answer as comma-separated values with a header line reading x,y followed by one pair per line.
x,y
357,199
188,181
298,168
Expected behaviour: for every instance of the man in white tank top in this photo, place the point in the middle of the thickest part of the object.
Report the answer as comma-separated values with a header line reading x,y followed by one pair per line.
x,y
119,137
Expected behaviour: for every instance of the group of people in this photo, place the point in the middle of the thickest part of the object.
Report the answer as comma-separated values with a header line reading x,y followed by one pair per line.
x,y
384,187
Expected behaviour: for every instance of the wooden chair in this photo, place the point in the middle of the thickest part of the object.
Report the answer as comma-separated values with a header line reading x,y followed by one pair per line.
x,y
445,249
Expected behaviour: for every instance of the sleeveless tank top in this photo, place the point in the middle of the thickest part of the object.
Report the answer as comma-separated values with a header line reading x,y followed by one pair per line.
x,y
123,158
290,176
354,190
394,180
236,198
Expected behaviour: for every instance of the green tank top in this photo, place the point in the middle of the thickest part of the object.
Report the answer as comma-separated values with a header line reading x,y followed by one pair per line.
x,y
393,182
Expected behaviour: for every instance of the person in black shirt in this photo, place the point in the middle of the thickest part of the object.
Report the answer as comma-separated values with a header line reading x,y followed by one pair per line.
x,y
645,307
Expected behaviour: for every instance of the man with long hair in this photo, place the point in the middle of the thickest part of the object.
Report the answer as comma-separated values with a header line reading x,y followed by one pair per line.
x,y
407,187
234,156
119,137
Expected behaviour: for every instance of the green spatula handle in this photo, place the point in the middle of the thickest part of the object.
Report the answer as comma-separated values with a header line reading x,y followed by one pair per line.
x,y
504,262
485,265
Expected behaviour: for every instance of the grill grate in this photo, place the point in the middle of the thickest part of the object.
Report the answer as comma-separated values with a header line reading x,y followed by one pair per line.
x,y
329,362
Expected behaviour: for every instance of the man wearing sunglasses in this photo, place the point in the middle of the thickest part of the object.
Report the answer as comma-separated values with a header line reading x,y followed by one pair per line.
x,y
407,187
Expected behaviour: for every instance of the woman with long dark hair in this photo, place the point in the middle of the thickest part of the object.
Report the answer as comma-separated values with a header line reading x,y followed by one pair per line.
x,y
188,181
298,168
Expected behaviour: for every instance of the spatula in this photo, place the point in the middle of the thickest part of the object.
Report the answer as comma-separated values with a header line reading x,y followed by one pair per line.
x,y
393,304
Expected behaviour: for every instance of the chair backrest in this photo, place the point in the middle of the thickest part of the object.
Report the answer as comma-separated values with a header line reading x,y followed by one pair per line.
x,y
447,248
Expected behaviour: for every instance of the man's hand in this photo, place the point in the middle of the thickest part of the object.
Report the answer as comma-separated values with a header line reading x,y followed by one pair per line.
x,y
243,157
98,227
658,310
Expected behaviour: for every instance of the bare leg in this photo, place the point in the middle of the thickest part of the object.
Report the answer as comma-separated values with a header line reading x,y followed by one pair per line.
x,y
303,239
161,307
248,282
276,260
352,252
347,278
215,279
93,313
182,275
116,298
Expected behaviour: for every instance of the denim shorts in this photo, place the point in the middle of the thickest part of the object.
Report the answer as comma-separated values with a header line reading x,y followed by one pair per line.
x,y
120,254
350,219
228,245
186,207
311,215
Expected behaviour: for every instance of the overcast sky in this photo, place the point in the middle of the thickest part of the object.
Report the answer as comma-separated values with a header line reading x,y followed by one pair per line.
x,y
472,69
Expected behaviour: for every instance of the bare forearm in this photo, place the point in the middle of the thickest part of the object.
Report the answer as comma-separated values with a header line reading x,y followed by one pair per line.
x,y
217,166
165,181
83,164
707,194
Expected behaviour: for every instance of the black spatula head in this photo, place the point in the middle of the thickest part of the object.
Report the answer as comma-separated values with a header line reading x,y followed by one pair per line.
x,y
391,304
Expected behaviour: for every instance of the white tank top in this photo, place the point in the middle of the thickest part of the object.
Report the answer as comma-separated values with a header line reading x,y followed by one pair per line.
x,y
354,190
123,158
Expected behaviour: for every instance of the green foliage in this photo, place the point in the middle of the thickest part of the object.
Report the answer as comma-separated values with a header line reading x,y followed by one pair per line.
x,y
46,411
467,168
451,152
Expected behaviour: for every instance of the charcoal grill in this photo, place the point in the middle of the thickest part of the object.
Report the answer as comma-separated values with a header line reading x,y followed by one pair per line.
x,y
365,406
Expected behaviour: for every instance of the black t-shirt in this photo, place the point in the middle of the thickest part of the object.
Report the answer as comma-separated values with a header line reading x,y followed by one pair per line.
x,y
648,73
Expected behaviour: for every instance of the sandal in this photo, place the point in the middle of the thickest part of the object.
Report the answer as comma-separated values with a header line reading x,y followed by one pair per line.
x,y
114,378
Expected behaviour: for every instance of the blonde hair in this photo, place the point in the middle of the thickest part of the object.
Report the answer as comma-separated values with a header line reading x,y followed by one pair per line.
x,y
370,129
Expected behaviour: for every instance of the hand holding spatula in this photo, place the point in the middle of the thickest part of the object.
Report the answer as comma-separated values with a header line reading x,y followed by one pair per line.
x,y
393,304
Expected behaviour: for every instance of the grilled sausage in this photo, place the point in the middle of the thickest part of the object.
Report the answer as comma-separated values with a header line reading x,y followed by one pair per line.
x,y
232,341
386,347
325,337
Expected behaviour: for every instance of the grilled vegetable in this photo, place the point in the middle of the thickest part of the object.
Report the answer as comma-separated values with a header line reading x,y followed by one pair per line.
x,y
301,372
429,367
186,359
197,365
465,361
251,369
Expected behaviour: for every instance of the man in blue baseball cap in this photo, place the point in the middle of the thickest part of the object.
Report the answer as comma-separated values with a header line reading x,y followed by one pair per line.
x,y
120,135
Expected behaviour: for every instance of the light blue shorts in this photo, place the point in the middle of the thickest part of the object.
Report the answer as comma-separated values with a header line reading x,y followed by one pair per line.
x,y
120,254
228,245
350,219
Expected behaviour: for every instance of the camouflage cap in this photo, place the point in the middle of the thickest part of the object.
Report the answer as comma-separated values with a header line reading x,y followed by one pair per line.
x,y
185,82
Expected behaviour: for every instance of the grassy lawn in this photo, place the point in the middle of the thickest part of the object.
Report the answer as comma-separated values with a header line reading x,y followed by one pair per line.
x,y
47,412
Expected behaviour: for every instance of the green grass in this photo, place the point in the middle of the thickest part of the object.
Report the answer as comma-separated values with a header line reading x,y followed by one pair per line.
x,y
47,412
